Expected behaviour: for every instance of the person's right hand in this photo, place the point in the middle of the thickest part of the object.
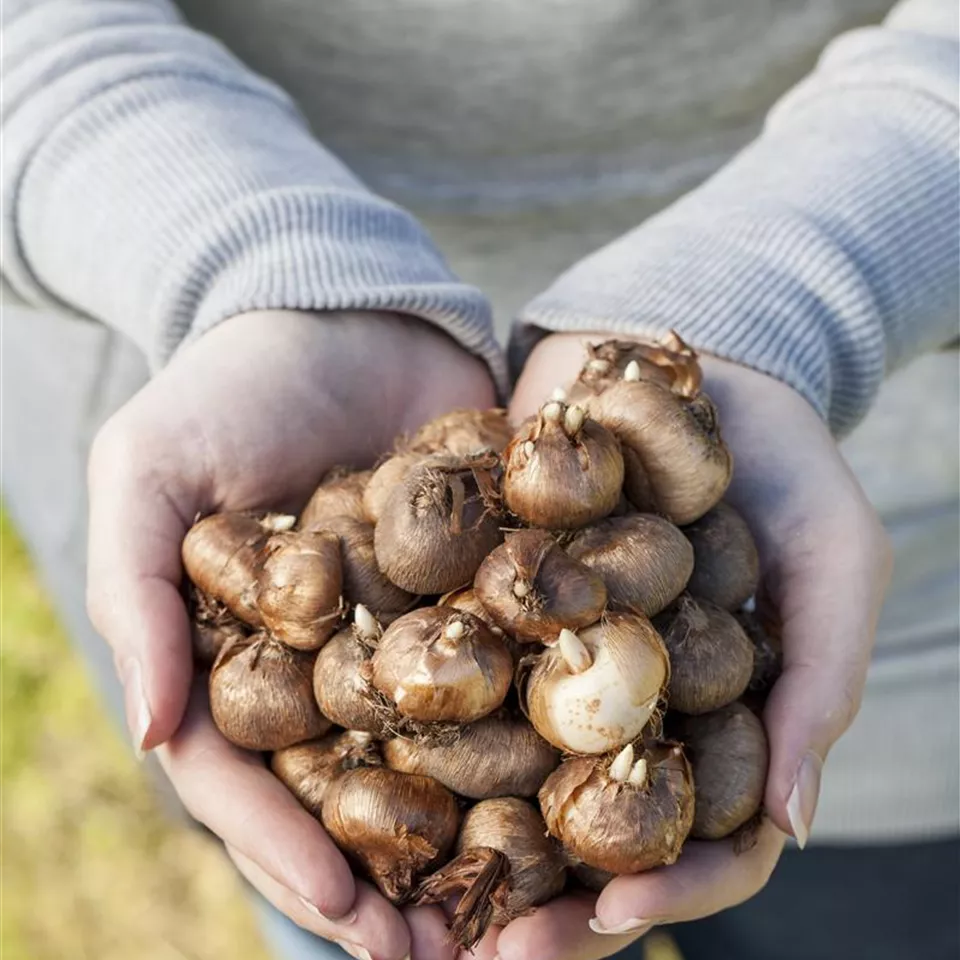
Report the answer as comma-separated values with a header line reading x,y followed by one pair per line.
x,y
250,417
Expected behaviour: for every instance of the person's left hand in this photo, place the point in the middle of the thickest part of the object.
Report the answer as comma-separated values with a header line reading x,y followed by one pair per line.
x,y
825,565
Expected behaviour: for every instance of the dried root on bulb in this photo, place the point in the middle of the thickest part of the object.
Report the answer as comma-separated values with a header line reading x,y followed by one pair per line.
x,y
438,524
308,769
396,826
340,494
562,470
221,555
622,815
729,754
299,588
533,589
595,690
726,568
437,664
644,560
261,695
496,756
505,866
711,658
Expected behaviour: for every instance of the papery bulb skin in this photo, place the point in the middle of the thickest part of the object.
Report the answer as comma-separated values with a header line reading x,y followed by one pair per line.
x,y
644,560
729,755
621,817
340,494
533,589
711,657
496,756
299,588
438,524
261,696
395,826
437,664
562,470
463,433
595,690
726,567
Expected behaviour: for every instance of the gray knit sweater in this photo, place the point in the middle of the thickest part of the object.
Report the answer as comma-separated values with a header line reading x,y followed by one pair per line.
x,y
606,165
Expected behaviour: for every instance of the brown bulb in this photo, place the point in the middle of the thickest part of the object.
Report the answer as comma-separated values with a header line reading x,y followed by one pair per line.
x,y
726,566
438,524
299,588
308,769
563,470
437,664
684,465
341,676
463,433
362,580
592,878
394,825
644,560
505,866
261,696
221,555
711,658
596,690
729,754
533,589
496,756
340,494
767,652
212,627
386,478
623,814
466,599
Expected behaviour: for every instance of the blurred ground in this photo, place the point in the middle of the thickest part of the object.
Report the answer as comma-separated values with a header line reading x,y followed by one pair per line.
x,y
91,867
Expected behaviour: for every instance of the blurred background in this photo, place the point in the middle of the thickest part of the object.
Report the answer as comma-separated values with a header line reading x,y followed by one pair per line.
x,y
93,868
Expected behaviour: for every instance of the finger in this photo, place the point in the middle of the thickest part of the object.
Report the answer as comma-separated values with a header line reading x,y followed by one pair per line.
x,y
377,933
232,793
429,936
133,581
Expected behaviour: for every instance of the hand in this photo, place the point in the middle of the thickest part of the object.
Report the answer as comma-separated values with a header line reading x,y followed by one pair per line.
x,y
251,416
825,564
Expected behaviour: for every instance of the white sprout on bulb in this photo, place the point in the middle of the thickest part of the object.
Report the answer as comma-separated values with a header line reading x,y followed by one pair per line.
x,y
552,411
622,764
632,371
574,651
573,420
454,630
559,394
638,775
365,622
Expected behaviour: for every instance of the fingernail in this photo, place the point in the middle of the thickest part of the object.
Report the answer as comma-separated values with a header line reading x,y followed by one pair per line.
x,y
628,926
802,802
354,949
138,710
343,921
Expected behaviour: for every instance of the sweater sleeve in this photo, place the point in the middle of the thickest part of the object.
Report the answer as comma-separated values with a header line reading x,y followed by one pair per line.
x,y
826,253
152,181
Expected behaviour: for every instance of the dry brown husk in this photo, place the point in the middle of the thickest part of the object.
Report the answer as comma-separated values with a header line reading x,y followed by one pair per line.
x,y
560,478
340,494
729,755
616,826
438,524
221,555
644,560
261,695
496,756
505,866
682,467
308,769
463,433
533,589
430,676
212,627
396,826
607,704
341,682
299,587
726,567
711,657
363,582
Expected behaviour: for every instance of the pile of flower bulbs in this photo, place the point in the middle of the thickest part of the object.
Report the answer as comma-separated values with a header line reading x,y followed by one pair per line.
x,y
506,660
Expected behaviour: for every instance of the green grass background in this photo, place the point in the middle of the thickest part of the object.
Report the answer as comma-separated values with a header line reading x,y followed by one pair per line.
x,y
91,867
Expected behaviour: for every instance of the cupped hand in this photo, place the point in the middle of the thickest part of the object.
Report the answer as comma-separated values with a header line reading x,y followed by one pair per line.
x,y
250,417
825,565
